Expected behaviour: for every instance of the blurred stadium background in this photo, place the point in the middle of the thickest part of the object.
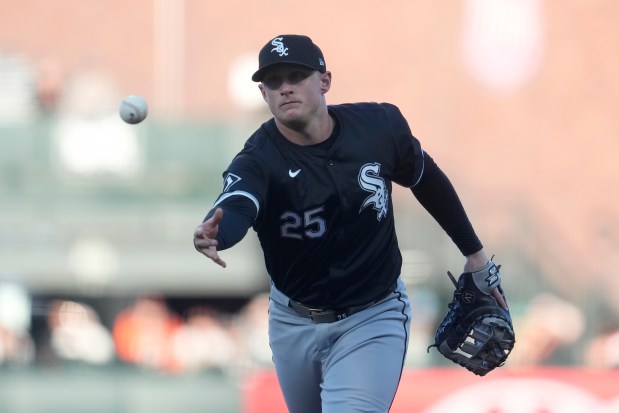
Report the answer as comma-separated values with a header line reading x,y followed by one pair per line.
x,y
106,307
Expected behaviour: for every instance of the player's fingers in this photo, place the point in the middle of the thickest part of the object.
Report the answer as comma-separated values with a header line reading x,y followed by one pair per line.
x,y
199,232
499,298
202,243
210,227
218,215
204,237
212,254
208,247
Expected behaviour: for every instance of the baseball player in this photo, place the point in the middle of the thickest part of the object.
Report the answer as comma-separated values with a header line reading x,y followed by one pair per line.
x,y
315,183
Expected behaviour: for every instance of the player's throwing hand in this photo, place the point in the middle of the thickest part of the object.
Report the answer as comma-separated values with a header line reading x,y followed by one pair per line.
x,y
204,237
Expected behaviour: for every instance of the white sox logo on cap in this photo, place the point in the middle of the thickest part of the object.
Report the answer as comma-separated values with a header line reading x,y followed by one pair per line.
x,y
279,47
292,49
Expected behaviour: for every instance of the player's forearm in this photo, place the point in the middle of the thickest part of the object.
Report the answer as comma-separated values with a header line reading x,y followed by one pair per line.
x,y
438,196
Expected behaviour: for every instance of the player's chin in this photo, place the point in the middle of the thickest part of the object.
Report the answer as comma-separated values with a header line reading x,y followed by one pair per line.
x,y
293,119
295,124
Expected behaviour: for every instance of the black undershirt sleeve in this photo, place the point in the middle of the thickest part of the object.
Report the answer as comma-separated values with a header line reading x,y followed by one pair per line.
x,y
239,216
437,195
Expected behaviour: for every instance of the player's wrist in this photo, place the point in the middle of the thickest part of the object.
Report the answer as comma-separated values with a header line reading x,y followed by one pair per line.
x,y
476,261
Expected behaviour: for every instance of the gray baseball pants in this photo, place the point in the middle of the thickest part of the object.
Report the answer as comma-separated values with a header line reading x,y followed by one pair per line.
x,y
352,365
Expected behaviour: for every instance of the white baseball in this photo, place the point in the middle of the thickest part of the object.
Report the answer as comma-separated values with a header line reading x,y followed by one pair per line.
x,y
133,109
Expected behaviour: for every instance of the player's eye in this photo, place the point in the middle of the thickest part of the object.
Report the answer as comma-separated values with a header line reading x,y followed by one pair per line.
x,y
297,76
275,81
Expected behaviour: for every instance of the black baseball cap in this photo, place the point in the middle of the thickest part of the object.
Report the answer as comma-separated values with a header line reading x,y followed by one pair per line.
x,y
289,48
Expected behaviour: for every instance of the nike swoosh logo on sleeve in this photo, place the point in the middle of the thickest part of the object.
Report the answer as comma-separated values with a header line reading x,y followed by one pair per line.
x,y
293,173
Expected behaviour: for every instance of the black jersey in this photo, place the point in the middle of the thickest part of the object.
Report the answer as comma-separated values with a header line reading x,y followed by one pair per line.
x,y
323,213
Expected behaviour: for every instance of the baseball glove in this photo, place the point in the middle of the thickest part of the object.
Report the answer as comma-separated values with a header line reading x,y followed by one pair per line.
x,y
476,332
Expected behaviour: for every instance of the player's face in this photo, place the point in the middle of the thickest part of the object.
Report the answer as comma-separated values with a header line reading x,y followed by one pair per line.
x,y
294,93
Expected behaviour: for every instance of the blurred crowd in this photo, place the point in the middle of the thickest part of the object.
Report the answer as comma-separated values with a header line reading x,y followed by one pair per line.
x,y
149,334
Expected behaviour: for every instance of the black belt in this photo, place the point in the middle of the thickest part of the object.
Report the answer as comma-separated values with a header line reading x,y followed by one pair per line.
x,y
325,315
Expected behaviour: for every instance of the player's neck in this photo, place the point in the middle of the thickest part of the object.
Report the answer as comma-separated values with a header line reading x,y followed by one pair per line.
x,y
311,133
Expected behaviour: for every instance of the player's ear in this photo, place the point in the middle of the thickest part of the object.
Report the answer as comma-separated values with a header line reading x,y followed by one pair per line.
x,y
325,82
262,91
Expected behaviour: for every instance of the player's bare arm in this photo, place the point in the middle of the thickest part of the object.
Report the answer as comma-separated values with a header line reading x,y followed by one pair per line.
x,y
204,237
